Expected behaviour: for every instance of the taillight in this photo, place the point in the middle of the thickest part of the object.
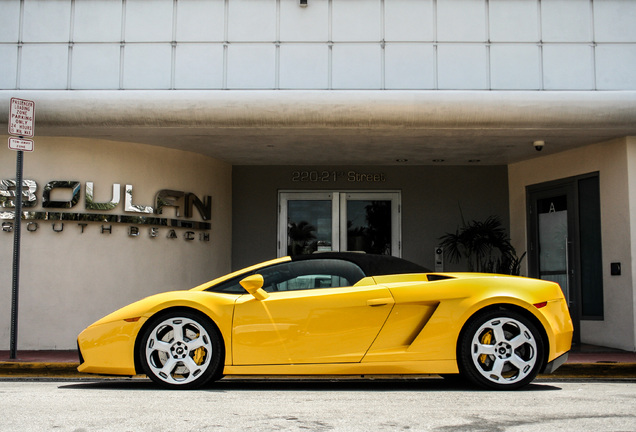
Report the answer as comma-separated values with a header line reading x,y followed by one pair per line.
x,y
540,305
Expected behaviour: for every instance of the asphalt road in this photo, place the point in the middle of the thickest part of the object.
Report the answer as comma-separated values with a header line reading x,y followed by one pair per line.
x,y
359,405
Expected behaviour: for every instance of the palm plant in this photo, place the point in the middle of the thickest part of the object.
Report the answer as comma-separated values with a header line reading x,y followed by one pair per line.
x,y
485,246
301,237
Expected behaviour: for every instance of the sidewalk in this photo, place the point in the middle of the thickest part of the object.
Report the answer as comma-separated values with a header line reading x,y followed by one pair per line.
x,y
586,361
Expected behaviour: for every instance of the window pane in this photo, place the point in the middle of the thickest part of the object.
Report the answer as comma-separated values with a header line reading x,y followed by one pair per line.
x,y
591,251
369,226
309,226
311,274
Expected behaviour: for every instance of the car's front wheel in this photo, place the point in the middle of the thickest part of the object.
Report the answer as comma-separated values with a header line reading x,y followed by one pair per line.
x,y
181,349
501,349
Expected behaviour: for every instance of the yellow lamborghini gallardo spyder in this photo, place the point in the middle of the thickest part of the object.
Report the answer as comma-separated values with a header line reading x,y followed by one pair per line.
x,y
337,314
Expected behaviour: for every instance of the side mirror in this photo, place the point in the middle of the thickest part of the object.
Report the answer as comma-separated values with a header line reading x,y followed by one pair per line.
x,y
254,285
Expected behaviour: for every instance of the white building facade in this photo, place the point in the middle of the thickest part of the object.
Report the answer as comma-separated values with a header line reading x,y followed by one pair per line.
x,y
176,140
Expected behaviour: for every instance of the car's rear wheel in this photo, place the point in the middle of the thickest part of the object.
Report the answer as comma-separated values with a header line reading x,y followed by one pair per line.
x,y
501,349
181,349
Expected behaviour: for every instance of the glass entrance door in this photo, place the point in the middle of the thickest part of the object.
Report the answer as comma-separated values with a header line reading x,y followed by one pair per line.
x,y
564,242
312,222
369,223
554,242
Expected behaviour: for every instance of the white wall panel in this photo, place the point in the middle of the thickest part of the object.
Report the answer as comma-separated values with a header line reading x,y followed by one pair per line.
x,y
47,21
515,66
304,66
462,66
356,20
44,66
568,67
514,20
461,20
147,66
409,20
356,66
304,24
97,21
149,20
199,66
616,66
251,66
200,21
409,66
566,21
252,20
439,44
615,20
95,66
8,66
9,21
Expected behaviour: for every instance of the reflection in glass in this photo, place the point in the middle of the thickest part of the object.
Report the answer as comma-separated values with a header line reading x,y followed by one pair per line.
x,y
309,226
553,237
369,226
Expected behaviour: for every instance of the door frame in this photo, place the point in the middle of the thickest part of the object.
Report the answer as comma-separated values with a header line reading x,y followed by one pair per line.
x,y
570,187
338,212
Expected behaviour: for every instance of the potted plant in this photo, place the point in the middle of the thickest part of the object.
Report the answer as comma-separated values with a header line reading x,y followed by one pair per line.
x,y
485,246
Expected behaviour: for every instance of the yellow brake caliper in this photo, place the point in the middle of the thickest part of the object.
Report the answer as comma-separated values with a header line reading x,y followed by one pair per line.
x,y
485,340
199,355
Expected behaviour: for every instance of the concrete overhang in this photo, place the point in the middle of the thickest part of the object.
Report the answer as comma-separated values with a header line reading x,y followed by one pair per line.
x,y
376,127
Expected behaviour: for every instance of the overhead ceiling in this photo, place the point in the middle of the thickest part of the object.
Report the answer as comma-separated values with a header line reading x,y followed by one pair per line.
x,y
339,127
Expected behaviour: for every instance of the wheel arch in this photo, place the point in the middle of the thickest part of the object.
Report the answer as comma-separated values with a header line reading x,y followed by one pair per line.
x,y
142,330
510,307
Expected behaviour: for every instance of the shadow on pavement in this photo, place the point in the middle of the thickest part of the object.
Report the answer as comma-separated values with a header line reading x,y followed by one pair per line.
x,y
430,384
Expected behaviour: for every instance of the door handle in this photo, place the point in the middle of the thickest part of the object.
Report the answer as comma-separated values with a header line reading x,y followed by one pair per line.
x,y
379,302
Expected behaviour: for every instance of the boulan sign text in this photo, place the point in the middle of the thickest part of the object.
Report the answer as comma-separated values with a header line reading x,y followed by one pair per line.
x,y
58,195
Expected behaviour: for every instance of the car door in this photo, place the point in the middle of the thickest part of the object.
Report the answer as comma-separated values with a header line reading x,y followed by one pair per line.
x,y
309,316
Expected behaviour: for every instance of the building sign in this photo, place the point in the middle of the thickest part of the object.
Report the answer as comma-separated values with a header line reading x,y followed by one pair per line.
x,y
61,195
325,176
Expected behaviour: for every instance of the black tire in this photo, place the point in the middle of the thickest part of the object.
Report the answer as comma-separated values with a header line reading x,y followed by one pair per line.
x,y
500,349
181,350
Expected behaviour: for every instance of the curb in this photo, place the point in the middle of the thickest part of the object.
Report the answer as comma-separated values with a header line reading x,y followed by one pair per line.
x,y
39,369
594,370
69,370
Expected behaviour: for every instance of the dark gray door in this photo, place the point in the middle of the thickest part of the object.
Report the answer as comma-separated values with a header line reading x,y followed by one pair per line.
x,y
565,243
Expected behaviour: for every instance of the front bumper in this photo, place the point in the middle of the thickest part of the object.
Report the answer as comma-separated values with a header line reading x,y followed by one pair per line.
x,y
109,348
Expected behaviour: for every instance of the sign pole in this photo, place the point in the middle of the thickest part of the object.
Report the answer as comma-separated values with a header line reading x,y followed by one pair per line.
x,y
16,256
21,124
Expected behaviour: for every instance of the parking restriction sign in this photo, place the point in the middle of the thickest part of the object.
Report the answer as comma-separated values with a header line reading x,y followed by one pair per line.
x,y
22,117
21,144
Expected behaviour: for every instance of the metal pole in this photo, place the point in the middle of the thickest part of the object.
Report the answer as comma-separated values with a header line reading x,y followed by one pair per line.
x,y
16,256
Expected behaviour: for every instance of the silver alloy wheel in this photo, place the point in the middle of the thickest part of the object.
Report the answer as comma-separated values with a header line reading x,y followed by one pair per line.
x,y
178,350
504,350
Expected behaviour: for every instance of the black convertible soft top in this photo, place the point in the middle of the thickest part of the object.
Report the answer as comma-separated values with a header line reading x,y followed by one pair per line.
x,y
371,265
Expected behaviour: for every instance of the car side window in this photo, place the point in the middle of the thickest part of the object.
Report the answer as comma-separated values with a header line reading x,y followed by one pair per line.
x,y
311,274
299,275
231,286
